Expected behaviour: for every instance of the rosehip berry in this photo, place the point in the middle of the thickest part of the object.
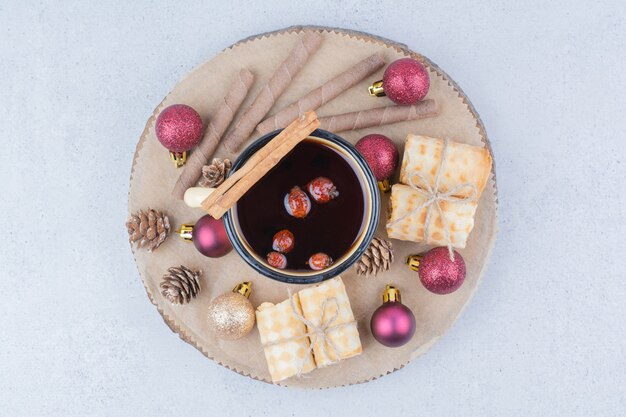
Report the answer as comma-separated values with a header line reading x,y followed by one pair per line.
x,y
320,261
283,241
277,260
322,190
297,203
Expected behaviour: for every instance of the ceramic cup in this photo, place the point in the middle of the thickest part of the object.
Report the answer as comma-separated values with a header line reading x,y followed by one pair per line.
x,y
371,209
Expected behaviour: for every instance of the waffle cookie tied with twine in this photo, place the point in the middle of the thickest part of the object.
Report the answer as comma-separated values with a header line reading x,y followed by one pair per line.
x,y
312,329
441,182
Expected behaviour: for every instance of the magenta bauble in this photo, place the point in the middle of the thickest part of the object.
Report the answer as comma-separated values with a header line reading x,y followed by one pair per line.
x,y
380,153
406,81
179,128
438,273
393,323
210,238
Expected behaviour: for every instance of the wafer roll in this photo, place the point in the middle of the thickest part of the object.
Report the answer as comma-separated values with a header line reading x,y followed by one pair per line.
x,y
379,116
323,94
278,83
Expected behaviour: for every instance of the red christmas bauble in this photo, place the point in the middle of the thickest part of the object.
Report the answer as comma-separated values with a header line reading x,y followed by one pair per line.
x,y
438,273
393,323
179,128
380,153
210,238
406,81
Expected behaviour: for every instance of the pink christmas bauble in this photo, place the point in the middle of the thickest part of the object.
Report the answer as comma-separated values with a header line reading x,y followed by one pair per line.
x,y
210,238
439,274
179,128
406,81
393,324
380,153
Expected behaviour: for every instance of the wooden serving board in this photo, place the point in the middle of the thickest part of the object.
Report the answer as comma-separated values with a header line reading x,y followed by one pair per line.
x,y
153,177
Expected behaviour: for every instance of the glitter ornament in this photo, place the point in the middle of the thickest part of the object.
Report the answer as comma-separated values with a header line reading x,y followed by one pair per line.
x,y
438,273
393,323
405,81
179,128
231,315
382,157
208,236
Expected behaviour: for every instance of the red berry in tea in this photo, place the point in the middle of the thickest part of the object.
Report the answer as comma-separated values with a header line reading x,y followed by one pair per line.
x,y
283,241
320,261
297,203
322,190
277,260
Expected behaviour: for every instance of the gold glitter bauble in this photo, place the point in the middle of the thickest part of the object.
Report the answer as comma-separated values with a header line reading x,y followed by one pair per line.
x,y
231,316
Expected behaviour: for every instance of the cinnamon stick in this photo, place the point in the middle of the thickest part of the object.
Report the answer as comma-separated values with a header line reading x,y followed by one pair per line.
x,y
379,116
259,164
323,94
278,83
213,133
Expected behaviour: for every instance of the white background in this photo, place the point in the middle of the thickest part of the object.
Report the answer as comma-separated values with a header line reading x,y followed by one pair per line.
x,y
545,333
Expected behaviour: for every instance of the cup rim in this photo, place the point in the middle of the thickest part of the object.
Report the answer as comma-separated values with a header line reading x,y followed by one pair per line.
x,y
369,229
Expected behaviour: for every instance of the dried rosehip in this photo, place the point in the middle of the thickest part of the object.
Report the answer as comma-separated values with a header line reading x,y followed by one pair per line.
x,y
322,190
283,241
277,260
320,261
297,203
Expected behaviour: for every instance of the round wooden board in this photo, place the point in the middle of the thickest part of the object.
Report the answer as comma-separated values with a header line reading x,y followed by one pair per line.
x,y
153,177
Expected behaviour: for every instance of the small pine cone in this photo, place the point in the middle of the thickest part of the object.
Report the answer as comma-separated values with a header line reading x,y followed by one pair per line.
x,y
149,229
214,174
377,257
180,285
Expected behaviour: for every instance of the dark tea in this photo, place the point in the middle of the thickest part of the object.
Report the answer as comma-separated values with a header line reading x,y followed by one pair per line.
x,y
330,225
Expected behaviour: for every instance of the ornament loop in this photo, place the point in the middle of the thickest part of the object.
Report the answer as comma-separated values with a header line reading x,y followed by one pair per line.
x,y
384,186
178,158
391,294
186,232
245,289
376,89
413,261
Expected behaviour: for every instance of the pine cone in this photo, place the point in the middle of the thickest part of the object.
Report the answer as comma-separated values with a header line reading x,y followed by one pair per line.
x,y
377,257
214,174
180,285
149,228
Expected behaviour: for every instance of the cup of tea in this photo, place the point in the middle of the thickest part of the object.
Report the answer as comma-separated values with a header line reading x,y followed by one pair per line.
x,y
309,218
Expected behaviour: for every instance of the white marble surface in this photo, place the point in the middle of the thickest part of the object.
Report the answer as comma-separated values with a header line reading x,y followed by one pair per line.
x,y
545,333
